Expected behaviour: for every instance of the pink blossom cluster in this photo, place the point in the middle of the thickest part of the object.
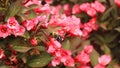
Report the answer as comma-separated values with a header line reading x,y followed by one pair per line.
x,y
69,24
11,27
59,54
90,8
103,61
89,27
84,57
30,24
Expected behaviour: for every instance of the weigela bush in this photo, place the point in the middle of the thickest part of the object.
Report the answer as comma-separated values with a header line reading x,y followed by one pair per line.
x,y
59,33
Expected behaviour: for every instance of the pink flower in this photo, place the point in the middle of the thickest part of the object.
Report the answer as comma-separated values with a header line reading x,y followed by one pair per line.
x,y
88,49
55,10
53,45
98,6
4,31
82,58
49,1
43,20
117,2
91,12
75,32
104,59
69,61
64,57
72,26
100,66
30,24
89,27
33,41
67,9
30,2
84,7
19,31
93,23
12,23
85,34
76,9
55,61
62,53
61,33
43,9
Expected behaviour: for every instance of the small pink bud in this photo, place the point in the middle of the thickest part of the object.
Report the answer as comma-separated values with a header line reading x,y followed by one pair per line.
x,y
33,42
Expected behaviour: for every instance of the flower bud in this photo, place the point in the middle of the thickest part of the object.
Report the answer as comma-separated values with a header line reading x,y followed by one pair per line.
x,y
33,42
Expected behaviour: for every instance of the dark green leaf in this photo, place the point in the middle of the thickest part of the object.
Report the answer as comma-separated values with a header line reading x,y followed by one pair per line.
x,y
106,14
21,48
26,35
20,45
114,12
24,9
31,14
94,57
110,37
66,44
13,9
74,43
112,45
5,67
40,48
106,49
33,6
99,38
39,61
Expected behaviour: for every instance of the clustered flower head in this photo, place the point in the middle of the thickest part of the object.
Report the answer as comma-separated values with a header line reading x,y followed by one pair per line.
x,y
11,27
84,57
68,25
60,54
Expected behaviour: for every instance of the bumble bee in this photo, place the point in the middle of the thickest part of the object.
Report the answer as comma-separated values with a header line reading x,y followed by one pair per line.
x,y
56,36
